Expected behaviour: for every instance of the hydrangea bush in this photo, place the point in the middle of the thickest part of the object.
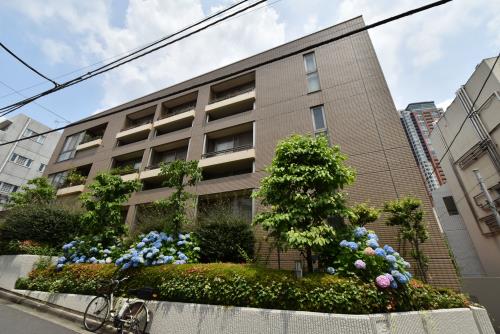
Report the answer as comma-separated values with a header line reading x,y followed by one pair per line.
x,y
160,248
89,250
361,255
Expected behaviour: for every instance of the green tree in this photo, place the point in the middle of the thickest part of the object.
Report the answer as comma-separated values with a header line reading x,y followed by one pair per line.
x,y
407,214
37,191
362,214
103,204
302,190
179,174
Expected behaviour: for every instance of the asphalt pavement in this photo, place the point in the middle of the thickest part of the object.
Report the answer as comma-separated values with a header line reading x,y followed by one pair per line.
x,y
18,319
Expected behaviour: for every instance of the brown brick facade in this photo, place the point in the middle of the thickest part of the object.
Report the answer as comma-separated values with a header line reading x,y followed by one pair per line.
x,y
360,115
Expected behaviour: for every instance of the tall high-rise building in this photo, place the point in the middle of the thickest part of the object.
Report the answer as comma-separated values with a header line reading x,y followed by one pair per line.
x,y
418,120
24,160
231,119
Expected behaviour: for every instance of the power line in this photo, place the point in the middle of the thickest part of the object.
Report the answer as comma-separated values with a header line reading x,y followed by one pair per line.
x,y
38,104
106,68
26,64
131,50
252,67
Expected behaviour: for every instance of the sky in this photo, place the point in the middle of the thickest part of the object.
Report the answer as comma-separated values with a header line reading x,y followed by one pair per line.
x,y
424,57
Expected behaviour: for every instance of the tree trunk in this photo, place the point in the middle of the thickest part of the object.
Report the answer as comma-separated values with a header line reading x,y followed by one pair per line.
x,y
309,260
420,263
279,257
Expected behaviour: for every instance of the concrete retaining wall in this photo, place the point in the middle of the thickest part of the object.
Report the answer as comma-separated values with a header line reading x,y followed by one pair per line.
x,y
14,266
195,318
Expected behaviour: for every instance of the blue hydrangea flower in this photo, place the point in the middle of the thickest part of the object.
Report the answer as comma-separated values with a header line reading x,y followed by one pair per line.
x,y
181,242
187,235
168,259
360,232
380,252
92,260
390,259
145,240
149,255
157,244
372,236
106,251
93,250
59,266
402,279
408,274
352,245
183,256
126,266
372,243
141,244
406,264
180,262
343,243
389,276
388,249
330,270
119,261
182,236
62,259
394,284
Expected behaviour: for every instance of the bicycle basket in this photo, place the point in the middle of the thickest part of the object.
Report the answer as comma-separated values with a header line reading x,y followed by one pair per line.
x,y
142,293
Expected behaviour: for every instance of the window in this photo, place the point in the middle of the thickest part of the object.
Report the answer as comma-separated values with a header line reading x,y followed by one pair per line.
x,y
20,160
311,73
450,205
69,148
58,179
319,122
42,167
7,187
29,133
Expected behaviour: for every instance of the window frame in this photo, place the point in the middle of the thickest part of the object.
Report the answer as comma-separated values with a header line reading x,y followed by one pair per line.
x,y
310,73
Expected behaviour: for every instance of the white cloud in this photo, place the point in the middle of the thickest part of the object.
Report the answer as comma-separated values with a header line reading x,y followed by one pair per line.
x,y
145,21
56,52
311,25
444,104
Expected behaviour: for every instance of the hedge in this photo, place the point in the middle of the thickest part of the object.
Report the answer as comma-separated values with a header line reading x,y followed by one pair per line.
x,y
248,285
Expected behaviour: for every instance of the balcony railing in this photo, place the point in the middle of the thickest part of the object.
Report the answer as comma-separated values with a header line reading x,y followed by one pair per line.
x,y
230,150
180,110
89,138
136,125
232,93
124,170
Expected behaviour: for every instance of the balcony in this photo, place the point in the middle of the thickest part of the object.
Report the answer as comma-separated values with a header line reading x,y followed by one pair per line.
x,y
134,133
70,190
174,122
150,172
72,181
137,127
233,103
236,154
89,144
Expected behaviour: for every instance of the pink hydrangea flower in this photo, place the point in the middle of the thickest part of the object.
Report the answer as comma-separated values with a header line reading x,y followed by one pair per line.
x,y
382,281
360,264
369,251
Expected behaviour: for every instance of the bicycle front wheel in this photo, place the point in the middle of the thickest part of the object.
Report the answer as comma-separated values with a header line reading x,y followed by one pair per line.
x,y
96,313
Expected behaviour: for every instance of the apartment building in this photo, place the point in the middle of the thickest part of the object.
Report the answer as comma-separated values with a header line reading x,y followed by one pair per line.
x,y
475,147
24,160
418,121
232,118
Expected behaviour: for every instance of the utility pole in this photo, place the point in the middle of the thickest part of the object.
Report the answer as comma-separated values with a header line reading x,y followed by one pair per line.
x,y
486,193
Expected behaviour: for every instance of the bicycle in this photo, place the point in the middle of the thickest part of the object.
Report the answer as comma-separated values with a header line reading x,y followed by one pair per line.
x,y
133,315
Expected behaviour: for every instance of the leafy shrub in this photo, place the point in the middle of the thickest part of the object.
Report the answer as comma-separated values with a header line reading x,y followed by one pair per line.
x,y
44,224
360,255
246,285
225,237
31,247
159,248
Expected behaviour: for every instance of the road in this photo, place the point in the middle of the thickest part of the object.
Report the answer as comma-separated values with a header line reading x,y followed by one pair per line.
x,y
18,319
